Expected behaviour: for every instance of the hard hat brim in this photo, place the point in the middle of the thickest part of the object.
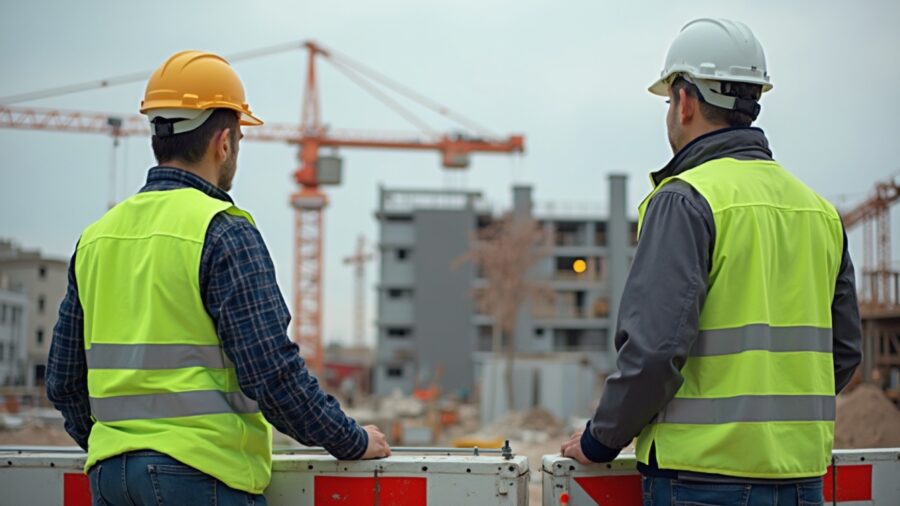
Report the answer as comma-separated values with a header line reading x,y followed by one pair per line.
x,y
248,119
661,86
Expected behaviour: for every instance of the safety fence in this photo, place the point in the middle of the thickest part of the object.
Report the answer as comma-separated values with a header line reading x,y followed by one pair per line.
x,y
855,478
414,476
435,477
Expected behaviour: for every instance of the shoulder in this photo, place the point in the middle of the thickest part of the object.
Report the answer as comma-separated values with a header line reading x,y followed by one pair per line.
x,y
681,193
228,228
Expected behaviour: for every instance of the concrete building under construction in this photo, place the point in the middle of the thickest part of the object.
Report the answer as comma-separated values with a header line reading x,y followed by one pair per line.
x,y
429,327
41,283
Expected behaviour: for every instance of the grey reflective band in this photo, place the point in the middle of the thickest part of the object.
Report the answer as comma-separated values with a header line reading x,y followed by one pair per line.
x,y
761,337
155,356
749,408
170,405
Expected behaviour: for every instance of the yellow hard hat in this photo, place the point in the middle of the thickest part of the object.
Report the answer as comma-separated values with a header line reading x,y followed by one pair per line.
x,y
189,85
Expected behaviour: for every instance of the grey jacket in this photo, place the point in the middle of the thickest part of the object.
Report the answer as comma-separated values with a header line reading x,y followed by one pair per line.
x,y
665,291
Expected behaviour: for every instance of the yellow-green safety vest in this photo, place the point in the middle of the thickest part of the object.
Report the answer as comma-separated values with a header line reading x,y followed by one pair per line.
x,y
758,394
158,378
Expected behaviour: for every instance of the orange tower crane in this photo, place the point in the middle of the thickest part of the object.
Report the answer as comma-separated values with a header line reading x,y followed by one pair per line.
x,y
880,282
315,170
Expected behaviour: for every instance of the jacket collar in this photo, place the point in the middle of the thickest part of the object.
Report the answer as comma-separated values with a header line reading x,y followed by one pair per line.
x,y
168,178
742,143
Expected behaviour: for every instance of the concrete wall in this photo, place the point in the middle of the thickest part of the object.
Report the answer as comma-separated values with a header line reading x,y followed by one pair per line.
x,y
563,384
443,304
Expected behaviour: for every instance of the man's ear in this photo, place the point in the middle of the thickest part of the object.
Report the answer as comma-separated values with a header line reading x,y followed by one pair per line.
x,y
222,144
687,106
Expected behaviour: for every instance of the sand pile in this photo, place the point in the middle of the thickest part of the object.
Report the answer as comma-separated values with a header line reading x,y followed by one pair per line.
x,y
535,419
866,418
36,433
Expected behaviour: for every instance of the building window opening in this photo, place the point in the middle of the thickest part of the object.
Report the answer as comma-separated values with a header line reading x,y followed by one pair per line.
x,y
402,254
398,293
40,336
395,372
398,332
42,272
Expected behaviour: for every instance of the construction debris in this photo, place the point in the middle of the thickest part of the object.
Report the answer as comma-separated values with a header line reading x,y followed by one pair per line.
x,y
866,418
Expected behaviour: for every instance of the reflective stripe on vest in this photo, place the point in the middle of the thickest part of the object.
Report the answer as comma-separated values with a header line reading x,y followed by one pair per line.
x,y
172,405
155,356
761,337
749,408
157,376
757,399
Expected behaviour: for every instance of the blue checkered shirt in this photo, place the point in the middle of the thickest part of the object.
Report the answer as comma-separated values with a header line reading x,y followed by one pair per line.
x,y
239,290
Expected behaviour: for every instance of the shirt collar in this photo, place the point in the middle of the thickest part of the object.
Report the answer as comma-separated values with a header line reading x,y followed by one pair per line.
x,y
172,177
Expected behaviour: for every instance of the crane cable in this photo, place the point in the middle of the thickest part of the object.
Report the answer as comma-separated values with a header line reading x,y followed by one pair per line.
x,y
138,76
335,56
379,95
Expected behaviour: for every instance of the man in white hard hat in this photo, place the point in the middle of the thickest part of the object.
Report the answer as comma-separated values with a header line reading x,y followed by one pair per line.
x,y
739,321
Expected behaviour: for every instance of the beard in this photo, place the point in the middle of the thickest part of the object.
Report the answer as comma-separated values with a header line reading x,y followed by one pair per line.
x,y
227,171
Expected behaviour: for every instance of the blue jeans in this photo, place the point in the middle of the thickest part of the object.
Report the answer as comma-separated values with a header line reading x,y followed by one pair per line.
x,y
148,478
668,492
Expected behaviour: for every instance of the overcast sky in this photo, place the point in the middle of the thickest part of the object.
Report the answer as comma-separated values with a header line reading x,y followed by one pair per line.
x,y
571,76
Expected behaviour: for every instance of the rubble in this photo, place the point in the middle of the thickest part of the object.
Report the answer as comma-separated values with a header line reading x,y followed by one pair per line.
x,y
866,418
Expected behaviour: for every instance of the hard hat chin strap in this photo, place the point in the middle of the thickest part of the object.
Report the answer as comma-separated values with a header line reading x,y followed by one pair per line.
x,y
163,126
711,92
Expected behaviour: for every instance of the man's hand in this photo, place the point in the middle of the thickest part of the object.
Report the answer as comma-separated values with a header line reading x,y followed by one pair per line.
x,y
378,447
572,448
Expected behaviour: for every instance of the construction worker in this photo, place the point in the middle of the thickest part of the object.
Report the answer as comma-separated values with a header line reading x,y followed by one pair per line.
x,y
739,321
170,357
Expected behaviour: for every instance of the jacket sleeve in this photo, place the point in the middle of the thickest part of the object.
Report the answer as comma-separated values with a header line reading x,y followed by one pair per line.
x,y
845,324
66,380
658,318
242,296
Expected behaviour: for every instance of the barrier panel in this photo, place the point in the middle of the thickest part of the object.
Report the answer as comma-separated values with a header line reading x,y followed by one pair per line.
x,y
856,478
435,477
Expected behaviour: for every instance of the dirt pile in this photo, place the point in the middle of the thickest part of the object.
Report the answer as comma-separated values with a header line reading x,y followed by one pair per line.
x,y
36,433
535,420
866,418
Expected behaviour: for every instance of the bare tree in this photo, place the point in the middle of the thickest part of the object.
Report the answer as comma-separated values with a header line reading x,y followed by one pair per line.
x,y
505,251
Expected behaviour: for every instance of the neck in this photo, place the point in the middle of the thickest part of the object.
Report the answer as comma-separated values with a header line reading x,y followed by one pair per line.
x,y
205,170
697,130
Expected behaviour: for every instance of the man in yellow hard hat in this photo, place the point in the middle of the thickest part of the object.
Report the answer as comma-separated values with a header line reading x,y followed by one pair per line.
x,y
170,358
739,321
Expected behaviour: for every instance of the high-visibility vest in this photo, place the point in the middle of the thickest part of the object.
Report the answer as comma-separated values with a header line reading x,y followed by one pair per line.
x,y
158,378
758,394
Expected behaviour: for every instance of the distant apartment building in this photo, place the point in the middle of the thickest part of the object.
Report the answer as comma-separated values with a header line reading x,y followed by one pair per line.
x,y
43,282
430,328
13,319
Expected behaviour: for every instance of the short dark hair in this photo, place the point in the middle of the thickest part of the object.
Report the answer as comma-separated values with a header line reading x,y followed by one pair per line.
x,y
720,115
190,146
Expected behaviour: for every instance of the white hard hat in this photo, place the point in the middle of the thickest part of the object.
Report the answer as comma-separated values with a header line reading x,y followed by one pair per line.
x,y
708,52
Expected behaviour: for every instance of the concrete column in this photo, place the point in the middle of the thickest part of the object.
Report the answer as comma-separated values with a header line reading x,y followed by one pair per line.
x,y
524,333
618,245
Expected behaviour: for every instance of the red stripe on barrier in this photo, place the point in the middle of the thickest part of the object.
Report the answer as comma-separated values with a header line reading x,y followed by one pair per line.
x,y
620,490
394,491
854,483
76,490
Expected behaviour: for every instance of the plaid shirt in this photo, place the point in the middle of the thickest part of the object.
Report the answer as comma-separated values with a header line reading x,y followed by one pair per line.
x,y
237,283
